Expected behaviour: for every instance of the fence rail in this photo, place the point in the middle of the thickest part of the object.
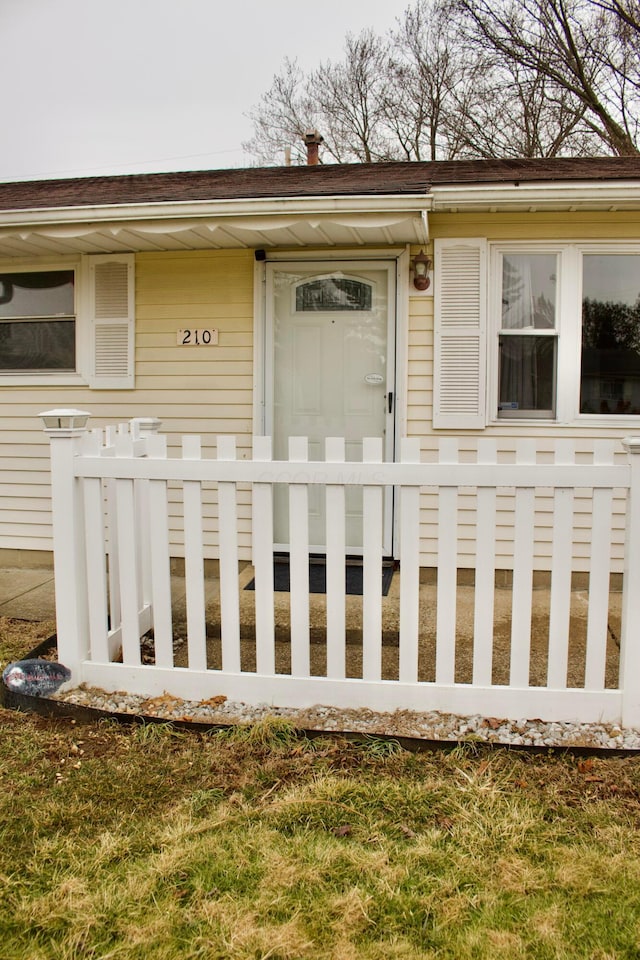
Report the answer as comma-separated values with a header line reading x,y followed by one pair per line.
x,y
113,583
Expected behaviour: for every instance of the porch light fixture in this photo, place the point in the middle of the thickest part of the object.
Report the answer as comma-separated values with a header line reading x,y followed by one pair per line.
x,y
64,420
421,264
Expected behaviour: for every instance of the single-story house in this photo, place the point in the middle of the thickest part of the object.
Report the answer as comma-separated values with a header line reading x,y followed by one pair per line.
x,y
462,298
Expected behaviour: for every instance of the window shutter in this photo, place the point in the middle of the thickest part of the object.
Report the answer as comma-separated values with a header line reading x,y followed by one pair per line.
x,y
459,334
111,298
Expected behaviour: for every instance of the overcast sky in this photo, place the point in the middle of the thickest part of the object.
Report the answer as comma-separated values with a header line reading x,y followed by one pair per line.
x,y
94,87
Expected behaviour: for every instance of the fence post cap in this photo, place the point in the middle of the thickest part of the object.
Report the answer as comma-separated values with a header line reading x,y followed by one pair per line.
x,y
64,421
631,444
145,426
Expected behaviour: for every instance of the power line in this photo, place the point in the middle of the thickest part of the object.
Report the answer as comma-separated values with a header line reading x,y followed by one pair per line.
x,y
114,167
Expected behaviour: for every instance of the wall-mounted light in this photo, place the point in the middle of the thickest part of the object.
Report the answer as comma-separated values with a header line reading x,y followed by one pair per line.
x,y
421,264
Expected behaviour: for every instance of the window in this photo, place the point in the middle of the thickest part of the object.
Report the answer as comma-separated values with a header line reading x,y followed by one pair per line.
x,y
528,335
69,322
37,322
610,354
566,327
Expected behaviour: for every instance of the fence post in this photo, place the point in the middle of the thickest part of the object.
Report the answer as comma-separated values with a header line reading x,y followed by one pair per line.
x,y
630,630
65,429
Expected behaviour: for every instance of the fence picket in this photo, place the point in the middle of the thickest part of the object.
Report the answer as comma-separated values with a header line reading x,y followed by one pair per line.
x,y
560,600
599,576
115,606
95,555
228,560
299,563
127,556
335,563
159,560
263,563
521,599
409,502
447,570
372,501
485,571
194,562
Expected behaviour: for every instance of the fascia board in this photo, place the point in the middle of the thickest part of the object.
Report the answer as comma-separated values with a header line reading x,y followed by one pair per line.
x,y
201,209
558,195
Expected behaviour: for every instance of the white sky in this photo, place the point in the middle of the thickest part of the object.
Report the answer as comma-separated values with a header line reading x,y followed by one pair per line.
x,y
94,87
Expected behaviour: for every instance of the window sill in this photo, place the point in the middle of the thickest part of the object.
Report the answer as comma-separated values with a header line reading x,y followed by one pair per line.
x,y
42,380
581,420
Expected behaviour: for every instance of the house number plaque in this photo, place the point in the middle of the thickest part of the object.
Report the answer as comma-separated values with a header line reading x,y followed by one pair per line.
x,y
197,338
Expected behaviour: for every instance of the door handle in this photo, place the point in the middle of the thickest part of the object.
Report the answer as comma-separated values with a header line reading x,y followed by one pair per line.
x,y
390,400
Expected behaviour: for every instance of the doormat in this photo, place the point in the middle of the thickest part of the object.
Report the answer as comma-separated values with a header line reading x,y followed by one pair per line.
x,y
318,577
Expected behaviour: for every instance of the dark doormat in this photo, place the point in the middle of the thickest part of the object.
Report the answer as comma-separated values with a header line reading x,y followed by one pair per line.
x,y
318,577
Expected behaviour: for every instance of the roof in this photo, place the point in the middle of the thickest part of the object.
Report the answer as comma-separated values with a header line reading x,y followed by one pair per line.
x,y
342,206
366,179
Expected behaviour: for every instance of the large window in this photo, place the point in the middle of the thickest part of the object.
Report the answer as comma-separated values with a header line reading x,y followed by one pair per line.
x,y
567,325
610,356
37,322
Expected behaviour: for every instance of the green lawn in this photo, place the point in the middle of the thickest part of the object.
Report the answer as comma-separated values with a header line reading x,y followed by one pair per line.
x,y
142,843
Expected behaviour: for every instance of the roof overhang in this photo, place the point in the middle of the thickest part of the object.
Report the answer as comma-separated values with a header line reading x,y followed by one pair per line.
x,y
220,224
565,196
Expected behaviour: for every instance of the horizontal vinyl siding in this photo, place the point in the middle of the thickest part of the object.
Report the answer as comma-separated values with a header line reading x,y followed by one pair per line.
x,y
192,390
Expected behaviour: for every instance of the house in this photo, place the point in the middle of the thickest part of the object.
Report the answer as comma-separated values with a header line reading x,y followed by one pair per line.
x,y
462,298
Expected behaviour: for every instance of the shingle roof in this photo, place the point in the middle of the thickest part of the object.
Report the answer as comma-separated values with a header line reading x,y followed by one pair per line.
x,y
367,179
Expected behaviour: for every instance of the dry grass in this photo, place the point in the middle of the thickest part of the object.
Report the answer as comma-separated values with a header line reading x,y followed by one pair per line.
x,y
146,844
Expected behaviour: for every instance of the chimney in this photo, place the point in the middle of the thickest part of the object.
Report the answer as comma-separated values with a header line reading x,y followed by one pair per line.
x,y
312,140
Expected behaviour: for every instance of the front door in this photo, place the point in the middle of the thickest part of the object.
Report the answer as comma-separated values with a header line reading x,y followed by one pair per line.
x,y
331,332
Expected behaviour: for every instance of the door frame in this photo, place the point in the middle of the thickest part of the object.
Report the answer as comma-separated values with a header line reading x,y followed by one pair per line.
x,y
327,261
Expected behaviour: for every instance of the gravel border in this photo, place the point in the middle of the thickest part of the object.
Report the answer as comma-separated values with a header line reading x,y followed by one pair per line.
x,y
431,726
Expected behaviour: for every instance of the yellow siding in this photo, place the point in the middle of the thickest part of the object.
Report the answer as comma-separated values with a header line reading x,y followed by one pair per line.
x,y
203,391
537,226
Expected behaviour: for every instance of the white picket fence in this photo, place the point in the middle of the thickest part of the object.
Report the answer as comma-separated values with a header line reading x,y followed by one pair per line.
x,y
112,569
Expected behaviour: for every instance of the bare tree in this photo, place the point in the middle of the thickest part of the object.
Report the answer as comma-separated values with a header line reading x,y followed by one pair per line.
x,y
281,118
429,78
467,78
350,99
585,50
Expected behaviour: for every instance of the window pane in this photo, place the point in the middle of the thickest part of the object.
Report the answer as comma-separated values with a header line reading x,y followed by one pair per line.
x,y
529,291
42,294
527,375
32,345
610,362
333,293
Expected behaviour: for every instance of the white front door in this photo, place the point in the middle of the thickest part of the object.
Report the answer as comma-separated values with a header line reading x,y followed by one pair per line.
x,y
330,367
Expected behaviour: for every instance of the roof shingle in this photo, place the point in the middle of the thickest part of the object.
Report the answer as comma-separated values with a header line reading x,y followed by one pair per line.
x,y
367,179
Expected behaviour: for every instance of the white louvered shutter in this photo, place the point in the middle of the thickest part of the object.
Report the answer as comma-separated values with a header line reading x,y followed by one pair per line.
x,y
111,285
460,324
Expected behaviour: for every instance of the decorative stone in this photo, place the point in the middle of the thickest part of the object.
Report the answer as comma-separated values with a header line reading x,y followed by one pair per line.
x,y
35,678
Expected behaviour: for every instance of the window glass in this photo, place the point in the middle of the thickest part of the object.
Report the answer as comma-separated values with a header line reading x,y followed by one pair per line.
x,y
527,339
43,294
38,345
528,291
527,375
37,323
610,361
333,293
